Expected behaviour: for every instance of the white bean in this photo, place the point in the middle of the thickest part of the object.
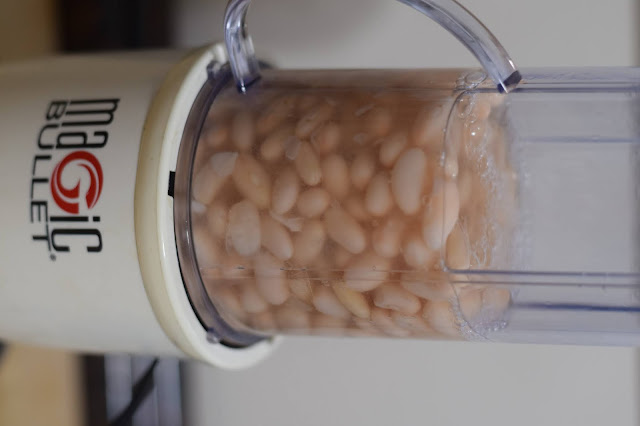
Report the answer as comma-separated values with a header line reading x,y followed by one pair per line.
x,y
495,302
344,230
482,106
361,138
326,138
309,242
293,224
285,191
251,300
217,219
412,323
208,181
473,137
313,202
366,325
321,269
354,205
244,228
457,252
417,254
366,272
308,165
341,256
363,109
292,147
292,319
390,296
470,302
275,238
216,135
270,278
429,126
362,169
378,199
275,114
264,321
272,148
203,154
299,304
354,301
451,165
386,238
207,251
197,208
391,149
301,288
441,317
441,214
229,302
335,173
465,187
326,302
432,289
382,319
234,267
311,120
434,170
378,122
305,102
252,181
223,163
407,180
243,131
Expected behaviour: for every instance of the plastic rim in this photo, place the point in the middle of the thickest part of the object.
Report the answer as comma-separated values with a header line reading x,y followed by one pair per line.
x,y
154,213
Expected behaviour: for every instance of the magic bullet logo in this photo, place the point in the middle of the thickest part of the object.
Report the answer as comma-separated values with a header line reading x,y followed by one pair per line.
x,y
67,177
68,199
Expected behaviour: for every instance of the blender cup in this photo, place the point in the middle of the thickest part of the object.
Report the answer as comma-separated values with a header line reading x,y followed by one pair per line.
x,y
423,204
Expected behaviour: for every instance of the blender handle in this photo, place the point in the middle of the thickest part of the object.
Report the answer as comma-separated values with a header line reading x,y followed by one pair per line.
x,y
448,13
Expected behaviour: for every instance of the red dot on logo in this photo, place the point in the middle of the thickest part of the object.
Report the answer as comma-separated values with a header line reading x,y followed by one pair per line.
x,y
68,198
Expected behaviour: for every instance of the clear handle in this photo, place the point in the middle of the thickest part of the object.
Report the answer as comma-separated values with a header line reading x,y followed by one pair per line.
x,y
448,13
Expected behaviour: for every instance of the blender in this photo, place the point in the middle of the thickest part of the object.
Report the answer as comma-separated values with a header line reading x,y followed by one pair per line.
x,y
196,206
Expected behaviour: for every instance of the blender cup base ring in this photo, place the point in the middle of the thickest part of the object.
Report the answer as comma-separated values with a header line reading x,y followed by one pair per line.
x,y
156,224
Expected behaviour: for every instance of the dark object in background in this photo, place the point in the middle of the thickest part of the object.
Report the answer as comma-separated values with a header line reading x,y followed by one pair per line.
x,y
92,25
123,390
94,390
139,393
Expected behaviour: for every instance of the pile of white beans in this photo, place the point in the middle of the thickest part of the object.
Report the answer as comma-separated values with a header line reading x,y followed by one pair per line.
x,y
338,212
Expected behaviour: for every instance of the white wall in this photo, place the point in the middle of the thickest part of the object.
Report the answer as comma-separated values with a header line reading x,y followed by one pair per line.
x,y
385,33
319,382
312,381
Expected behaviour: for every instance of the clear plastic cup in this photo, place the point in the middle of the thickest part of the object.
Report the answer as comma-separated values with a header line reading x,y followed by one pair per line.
x,y
413,204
